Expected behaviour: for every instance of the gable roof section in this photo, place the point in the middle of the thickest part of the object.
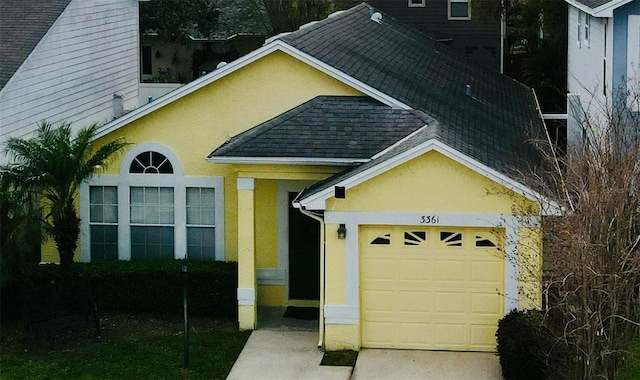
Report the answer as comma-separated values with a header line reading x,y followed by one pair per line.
x,y
23,23
491,123
598,8
325,130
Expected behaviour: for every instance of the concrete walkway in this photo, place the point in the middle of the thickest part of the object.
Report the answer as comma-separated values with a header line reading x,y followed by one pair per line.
x,y
281,355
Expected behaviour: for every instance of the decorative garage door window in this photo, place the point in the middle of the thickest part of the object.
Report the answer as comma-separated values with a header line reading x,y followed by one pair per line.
x,y
483,241
451,238
201,223
382,240
103,222
415,238
151,163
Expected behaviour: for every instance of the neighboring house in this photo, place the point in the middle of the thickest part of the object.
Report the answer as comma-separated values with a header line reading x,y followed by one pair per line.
x,y
452,22
603,59
355,165
66,61
241,26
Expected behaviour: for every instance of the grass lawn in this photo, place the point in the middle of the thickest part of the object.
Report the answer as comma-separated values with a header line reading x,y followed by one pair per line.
x,y
631,368
133,346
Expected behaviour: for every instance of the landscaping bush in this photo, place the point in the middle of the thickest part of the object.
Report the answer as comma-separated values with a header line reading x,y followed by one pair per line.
x,y
142,286
524,344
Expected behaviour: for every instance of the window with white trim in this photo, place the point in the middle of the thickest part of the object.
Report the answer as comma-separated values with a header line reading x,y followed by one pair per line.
x,y
587,29
152,223
103,219
416,3
151,210
201,223
579,28
459,10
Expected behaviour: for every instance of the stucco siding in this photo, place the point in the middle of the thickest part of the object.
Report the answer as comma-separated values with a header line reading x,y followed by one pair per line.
x,y
89,54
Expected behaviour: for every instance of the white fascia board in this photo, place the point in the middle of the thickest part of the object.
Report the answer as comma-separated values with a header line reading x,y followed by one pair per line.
x,y
318,201
286,161
605,10
241,62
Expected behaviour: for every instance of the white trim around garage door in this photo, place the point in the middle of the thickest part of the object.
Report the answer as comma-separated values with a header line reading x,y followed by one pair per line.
x,y
350,313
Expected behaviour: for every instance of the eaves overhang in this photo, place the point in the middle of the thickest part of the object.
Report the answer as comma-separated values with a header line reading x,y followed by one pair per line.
x,y
286,161
241,62
604,10
317,201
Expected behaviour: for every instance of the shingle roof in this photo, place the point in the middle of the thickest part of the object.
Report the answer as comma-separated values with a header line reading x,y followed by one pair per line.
x,y
23,23
492,124
348,127
593,3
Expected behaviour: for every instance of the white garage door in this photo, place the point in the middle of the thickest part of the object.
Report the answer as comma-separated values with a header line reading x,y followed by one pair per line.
x,y
431,287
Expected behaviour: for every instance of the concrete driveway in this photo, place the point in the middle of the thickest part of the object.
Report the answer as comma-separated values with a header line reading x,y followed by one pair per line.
x,y
426,365
293,354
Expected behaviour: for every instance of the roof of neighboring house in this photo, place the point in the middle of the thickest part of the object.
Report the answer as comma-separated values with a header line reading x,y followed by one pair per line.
x,y
23,23
238,17
599,8
326,127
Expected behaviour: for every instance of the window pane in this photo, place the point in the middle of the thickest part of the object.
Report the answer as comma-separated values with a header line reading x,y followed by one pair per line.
x,y
459,9
110,195
104,243
208,216
110,214
200,206
95,214
193,196
207,196
95,195
201,243
193,215
137,195
152,243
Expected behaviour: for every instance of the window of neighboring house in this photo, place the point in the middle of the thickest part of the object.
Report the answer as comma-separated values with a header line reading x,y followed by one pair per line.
x,y
103,219
587,29
459,10
201,223
152,223
416,3
147,67
579,28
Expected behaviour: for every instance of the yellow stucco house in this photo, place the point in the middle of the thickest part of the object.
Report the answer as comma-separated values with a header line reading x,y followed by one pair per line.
x,y
354,165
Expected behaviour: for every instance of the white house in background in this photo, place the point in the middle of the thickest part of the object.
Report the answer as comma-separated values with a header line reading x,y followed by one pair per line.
x,y
66,60
603,58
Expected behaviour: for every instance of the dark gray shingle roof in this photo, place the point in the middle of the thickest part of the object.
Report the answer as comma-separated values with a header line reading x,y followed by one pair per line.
x,y
593,4
23,23
346,127
491,125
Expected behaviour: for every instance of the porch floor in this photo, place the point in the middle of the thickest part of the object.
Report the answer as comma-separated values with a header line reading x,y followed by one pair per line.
x,y
272,318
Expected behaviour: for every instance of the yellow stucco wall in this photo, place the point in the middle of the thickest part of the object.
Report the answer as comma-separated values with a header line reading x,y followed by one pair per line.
x,y
430,183
194,125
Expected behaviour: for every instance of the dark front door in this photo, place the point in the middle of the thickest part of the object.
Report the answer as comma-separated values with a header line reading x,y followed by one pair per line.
x,y
304,255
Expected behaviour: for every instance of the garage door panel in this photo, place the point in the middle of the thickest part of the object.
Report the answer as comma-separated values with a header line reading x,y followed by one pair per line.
x,y
485,304
450,335
448,270
430,288
451,303
416,300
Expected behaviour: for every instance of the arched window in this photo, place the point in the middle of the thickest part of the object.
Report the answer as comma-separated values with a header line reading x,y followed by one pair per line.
x,y
151,163
151,210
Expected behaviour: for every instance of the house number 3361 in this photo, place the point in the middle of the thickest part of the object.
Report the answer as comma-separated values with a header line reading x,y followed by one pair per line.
x,y
429,219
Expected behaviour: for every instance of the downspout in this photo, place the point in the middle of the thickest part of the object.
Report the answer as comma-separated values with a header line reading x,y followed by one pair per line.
x,y
322,274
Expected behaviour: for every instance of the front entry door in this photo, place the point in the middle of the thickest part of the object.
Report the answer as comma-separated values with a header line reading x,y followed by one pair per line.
x,y
304,255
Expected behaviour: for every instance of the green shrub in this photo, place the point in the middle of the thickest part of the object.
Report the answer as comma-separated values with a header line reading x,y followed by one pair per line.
x,y
142,286
523,345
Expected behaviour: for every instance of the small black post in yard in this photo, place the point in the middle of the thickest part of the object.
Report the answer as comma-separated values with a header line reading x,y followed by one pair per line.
x,y
185,288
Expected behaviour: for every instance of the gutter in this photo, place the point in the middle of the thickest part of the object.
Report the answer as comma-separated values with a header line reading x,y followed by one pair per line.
x,y
297,205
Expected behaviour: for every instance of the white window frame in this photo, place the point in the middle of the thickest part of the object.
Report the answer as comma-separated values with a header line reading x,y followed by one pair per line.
x,y
124,181
587,29
414,4
449,2
579,39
